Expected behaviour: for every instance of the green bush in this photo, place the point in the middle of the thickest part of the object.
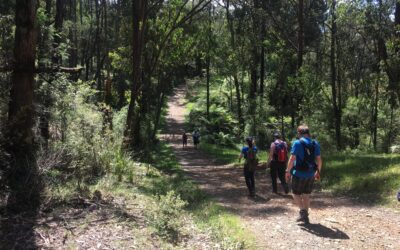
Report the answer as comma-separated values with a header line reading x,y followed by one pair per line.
x,y
166,216
218,129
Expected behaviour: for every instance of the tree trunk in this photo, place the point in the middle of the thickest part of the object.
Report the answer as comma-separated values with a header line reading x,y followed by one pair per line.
x,y
139,7
23,178
208,63
208,88
335,104
300,17
262,54
375,117
235,75
56,61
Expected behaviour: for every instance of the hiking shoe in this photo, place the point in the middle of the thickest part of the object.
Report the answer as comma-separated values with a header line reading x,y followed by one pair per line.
x,y
303,216
306,220
286,188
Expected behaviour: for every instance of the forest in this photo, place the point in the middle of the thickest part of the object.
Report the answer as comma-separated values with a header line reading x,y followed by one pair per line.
x,y
85,85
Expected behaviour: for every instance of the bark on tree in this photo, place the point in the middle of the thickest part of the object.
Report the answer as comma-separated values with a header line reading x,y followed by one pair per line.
x,y
336,106
300,36
208,62
235,76
56,61
23,176
139,8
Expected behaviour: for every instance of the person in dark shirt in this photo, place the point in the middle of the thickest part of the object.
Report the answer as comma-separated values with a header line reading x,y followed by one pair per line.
x,y
277,161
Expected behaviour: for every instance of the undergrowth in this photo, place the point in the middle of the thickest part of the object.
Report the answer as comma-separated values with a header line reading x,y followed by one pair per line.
x,y
168,200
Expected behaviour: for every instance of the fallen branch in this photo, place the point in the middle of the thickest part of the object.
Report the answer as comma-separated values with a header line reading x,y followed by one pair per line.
x,y
10,68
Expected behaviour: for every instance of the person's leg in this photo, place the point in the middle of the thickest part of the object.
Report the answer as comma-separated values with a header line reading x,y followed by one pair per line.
x,y
306,201
247,179
308,187
273,172
298,188
253,183
298,199
281,174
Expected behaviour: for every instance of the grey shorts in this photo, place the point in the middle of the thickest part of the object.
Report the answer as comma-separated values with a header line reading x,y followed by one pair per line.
x,y
302,185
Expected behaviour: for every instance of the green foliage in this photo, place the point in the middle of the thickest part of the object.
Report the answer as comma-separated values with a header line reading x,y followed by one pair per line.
x,y
217,129
167,216
374,178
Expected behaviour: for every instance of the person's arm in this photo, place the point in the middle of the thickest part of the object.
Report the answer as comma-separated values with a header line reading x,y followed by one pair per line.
x,y
271,153
319,167
289,166
319,161
240,156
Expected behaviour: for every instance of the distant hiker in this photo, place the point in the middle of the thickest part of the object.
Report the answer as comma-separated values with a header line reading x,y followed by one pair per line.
x,y
196,138
277,161
304,167
184,139
398,195
249,153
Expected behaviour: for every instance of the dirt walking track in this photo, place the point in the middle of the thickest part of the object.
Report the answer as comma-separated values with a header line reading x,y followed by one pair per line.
x,y
336,222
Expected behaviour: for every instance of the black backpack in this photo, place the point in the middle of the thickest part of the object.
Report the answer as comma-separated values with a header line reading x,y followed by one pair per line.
x,y
308,162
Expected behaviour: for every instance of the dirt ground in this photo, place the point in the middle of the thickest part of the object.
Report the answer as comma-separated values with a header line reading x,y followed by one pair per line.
x,y
336,222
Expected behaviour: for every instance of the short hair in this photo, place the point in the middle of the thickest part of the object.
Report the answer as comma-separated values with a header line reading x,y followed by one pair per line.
x,y
303,130
277,135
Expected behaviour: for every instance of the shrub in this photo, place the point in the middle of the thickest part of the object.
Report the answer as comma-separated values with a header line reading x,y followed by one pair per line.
x,y
165,215
395,149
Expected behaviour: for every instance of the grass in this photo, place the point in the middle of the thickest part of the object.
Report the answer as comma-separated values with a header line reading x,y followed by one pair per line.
x,y
374,178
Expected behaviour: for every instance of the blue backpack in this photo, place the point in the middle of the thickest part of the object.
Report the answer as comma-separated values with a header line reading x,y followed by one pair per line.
x,y
308,164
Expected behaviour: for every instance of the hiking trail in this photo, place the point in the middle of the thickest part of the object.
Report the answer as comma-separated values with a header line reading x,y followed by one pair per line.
x,y
336,222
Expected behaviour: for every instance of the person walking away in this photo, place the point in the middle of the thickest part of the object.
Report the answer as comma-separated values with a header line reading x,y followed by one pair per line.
x,y
249,153
196,138
277,161
184,140
304,166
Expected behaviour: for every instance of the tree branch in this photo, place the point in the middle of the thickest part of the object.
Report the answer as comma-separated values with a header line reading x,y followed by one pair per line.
x,y
9,68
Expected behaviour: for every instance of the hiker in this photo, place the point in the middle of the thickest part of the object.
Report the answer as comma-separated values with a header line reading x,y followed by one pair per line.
x,y
277,162
398,195
249,153
196,138
304,167
184,139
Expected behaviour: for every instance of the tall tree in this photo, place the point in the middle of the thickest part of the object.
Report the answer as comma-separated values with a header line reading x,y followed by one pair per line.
x,y
336,100
139,8
23,174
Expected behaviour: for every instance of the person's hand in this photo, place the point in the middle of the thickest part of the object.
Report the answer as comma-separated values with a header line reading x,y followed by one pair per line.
x,y
317,176
287,176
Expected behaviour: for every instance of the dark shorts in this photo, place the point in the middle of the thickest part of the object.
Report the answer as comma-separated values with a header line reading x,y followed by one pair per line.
x,y
302,185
